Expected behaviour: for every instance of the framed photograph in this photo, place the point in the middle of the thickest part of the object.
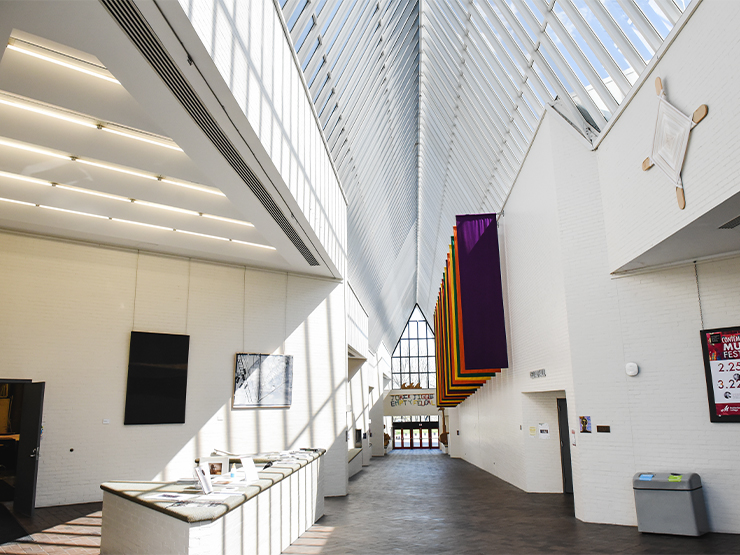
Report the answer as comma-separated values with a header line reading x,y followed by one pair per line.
x,y
721,350
215,466
263,381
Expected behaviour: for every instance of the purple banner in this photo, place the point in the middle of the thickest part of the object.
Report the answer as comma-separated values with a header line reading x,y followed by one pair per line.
x,y
482,303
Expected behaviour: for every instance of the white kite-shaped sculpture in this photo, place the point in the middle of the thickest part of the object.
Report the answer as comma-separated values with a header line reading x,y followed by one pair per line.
x,y
671,138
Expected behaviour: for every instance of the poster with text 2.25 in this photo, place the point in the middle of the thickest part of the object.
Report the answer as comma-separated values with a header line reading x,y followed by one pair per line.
x,y
721,348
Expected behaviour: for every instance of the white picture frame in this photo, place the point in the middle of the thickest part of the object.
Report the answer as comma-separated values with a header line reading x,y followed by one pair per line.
x,y
215,466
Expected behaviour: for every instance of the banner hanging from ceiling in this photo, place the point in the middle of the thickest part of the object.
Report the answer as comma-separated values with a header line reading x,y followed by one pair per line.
x,y
469,324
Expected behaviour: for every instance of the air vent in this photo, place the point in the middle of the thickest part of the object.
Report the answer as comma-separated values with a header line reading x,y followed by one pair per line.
x,y
732,224
128,16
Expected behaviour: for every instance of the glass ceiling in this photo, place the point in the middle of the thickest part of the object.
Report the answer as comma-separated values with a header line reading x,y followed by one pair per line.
x,y
429,107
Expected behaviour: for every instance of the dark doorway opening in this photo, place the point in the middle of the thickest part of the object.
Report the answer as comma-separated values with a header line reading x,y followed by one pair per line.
x,y
21,407
565,462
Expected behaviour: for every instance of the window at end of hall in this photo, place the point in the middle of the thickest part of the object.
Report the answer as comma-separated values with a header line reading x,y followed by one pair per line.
x,y
412,362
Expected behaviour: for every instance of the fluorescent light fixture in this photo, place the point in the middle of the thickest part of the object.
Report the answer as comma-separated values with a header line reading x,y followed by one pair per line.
x,y
118,169
142,224
268,247
16,201
60,59
132,222
73,212
90,192
84,120
192,186
111,167
229,220
30,148
110,196
172,146
166,207
25,178
202,235
50,113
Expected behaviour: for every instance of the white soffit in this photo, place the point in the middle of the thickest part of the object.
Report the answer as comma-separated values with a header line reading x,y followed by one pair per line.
x,y
485,71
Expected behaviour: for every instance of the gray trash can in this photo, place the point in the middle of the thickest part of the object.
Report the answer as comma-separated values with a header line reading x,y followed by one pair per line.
x,y
670,503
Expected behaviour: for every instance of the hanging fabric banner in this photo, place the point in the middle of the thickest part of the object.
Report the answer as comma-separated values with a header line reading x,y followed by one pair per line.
x,y
468,318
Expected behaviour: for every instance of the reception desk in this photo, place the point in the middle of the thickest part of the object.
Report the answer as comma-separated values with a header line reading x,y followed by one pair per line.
x,y
261,518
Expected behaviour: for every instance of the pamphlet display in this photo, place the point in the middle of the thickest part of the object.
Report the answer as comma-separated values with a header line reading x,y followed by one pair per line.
x,y
721,349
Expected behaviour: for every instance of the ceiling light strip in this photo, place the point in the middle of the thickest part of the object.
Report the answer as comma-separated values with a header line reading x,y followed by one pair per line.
x,y
110,196
60,59
133,222
84,120
111,167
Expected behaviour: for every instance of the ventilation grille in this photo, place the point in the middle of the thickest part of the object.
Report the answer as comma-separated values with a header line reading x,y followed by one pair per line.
x,y
136,27
732,224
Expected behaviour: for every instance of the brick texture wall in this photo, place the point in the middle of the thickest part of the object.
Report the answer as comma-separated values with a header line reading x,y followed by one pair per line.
x,y
574,216
68,310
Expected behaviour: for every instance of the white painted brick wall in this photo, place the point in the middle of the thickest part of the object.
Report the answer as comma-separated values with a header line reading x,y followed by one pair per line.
x,y
68,311
357,324
494,421
699,68
586,327
248,46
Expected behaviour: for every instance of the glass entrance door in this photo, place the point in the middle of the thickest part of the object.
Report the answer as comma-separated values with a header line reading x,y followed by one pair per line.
x,y
415,435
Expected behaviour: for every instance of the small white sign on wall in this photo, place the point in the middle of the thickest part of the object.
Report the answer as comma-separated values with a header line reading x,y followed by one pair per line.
x,y
543,430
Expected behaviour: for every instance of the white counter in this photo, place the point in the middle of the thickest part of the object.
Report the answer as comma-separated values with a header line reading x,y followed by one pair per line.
x,y
262,519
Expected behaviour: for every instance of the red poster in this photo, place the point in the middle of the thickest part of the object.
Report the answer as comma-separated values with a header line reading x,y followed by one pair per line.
x,y
721,348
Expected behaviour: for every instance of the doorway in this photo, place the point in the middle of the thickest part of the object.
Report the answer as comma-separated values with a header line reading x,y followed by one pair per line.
x,y
416,435
565,462
21,407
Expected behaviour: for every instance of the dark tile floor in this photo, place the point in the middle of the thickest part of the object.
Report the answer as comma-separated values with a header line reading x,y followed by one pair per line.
x,y
65,530
421,502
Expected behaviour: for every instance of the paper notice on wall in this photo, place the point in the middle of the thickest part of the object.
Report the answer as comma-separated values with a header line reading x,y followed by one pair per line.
x,y
533,431
572,436
543,430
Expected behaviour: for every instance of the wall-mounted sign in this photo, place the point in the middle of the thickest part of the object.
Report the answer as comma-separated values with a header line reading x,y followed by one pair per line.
x,y
543,430
721,349
409,402
538,373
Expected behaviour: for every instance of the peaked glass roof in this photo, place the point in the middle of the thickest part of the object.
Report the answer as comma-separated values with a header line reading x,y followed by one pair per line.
x,y
429,107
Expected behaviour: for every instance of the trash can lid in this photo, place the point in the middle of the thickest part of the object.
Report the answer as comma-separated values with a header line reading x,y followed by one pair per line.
x,y
666,480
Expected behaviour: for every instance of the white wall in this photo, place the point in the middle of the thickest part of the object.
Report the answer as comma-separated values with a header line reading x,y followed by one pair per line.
x,y
68,310
247,44
698,68
379,366
357,324
574,216
494,422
